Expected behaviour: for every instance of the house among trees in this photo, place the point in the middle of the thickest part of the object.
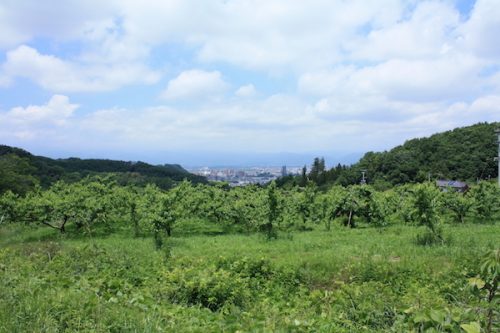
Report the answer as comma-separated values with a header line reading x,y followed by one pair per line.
x,y
445,185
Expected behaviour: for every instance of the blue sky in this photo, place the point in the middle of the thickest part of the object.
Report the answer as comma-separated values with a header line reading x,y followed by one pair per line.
x,y
184,81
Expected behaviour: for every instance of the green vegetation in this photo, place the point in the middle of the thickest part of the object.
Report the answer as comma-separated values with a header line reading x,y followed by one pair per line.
x,y
97,256
338,281
21,171
461,154
109,246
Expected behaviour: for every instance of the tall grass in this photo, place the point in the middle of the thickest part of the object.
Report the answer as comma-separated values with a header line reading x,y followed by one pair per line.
x,y
342,280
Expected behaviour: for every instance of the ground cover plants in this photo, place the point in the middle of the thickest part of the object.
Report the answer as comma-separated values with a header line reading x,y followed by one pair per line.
x,y
93,256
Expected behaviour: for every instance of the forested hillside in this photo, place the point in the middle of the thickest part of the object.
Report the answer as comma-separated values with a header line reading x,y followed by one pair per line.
x,y
21,171
465,153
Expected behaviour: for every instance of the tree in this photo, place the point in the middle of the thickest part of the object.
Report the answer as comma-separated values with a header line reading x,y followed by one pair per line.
x,y
303,177
89,204
426,201
485,200
305,207
127,199
272,212
458,204
377,209
348,206
9,210
16,174
330,204
156,214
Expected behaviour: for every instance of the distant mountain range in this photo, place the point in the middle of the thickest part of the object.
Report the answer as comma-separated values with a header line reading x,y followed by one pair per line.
x,y
254,159
21,170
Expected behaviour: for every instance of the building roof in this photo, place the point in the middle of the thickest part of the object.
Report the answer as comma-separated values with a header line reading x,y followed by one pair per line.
x,y
451,183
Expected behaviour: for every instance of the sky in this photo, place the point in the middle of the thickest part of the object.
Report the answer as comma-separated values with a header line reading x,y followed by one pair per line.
x,y
242,81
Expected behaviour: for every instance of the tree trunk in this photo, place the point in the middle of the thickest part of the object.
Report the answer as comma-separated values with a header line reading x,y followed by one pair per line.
x,y
491,297
135,221
61,228
63,225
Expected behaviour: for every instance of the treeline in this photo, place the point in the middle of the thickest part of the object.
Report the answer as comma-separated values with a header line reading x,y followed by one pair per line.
x,y
102,205
465,154
22,171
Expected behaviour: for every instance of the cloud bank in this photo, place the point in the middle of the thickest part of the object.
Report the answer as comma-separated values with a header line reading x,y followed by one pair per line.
x,y
250,75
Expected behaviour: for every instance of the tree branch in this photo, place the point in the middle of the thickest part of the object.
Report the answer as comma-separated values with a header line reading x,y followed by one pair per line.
x,y
50,225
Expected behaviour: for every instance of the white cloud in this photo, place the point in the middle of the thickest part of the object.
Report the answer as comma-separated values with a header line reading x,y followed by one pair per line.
x,y
246,91
480,32
193,84
421,80
56,111
429,32
444,78
22,21
325,82
291,35
55,74
486,107
9,34
34,120
333,69
251,33
275,123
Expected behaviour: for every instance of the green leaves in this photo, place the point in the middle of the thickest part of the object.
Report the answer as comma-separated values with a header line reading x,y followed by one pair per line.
x,y
476,282
490,265
435,319
472,327
459,204
438,316
16,174
485,201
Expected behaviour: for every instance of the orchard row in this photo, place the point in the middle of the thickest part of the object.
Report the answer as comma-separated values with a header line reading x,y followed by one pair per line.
x,y
100,204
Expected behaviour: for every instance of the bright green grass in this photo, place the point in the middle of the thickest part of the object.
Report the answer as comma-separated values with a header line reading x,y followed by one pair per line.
x,y
359,280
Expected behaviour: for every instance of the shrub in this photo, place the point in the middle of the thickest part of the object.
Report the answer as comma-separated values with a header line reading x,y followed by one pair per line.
x,y
211,288
430,237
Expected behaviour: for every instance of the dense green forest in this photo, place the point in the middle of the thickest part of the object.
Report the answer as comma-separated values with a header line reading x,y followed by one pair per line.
x,y
21,171
465,154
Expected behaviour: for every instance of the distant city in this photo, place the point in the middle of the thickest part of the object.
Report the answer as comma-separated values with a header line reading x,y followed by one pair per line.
x,y
245,176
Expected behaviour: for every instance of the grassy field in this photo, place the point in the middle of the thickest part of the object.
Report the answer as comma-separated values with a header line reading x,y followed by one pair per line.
x,y
360,280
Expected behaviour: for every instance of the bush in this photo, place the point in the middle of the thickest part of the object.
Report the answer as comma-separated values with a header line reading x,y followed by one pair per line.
x,y
429,237
211,288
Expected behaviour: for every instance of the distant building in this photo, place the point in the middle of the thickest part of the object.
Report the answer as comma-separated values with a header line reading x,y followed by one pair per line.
x,y
455,185
283,171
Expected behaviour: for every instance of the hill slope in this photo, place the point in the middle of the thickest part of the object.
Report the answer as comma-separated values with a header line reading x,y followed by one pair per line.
x,y
20,171
465,153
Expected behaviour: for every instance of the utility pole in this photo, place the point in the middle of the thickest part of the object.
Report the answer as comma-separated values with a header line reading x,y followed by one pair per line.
x,y
498,157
